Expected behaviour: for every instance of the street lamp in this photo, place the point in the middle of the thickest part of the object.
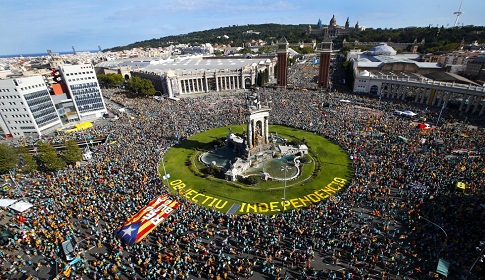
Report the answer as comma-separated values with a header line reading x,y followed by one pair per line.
x,y
480,257
441,111
446,235
165,176
285,169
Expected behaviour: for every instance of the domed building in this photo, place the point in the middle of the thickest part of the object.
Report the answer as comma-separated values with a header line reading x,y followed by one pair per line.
x,y
383,72
381,49
333,30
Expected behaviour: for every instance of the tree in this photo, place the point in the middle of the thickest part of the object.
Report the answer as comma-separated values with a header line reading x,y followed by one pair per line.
x,y
8,159
213,170
306,158
27,162
47,157
72,153
141,86
252,180
111,79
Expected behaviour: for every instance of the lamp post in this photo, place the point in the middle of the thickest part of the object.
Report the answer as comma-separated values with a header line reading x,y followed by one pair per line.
x,y
285,169
165,176
446,235
441,111
480,257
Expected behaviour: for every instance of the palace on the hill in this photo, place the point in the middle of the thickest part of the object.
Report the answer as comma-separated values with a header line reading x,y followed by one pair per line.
x,y
333,30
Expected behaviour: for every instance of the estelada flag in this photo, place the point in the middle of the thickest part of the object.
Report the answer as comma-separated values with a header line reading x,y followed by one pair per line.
x,y
147,219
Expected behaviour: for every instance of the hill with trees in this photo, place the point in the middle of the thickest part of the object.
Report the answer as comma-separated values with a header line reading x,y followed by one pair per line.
x,y
436,38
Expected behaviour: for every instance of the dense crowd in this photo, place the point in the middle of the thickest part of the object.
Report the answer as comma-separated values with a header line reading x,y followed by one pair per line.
x,y
377,228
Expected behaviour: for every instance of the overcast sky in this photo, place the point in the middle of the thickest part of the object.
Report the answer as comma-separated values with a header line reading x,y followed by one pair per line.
x,y
34,26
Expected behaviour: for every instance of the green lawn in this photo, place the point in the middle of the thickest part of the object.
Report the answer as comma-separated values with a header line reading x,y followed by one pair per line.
x,y
319,180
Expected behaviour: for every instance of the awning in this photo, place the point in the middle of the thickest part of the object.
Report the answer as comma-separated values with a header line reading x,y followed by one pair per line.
x,y
6,202
443,267
21,206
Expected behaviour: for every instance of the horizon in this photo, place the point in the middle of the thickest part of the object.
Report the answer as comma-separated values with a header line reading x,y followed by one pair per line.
x,y
53,25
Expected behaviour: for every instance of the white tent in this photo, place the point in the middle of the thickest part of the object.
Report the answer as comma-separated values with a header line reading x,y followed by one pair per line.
x,y
6,202
21,206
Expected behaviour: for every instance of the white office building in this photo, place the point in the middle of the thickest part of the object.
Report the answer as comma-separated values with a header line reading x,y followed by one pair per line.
x,y
26,108
84,90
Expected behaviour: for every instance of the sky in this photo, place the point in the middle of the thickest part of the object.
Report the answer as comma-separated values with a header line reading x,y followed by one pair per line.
x,y
35,26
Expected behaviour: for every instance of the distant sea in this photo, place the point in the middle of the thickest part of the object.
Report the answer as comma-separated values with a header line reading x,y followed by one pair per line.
x,y
41,54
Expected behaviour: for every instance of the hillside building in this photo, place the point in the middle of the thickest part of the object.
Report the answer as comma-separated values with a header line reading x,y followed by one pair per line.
x,y
333,30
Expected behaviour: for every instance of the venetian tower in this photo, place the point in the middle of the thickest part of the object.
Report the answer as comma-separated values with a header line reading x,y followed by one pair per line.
x,y
282,75
325,51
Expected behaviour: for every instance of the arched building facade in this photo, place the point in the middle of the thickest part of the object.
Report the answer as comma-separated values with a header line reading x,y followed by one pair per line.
x,y
190,75
383,73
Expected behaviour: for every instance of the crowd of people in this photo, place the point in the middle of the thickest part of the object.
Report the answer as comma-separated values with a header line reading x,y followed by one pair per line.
x,y
399,214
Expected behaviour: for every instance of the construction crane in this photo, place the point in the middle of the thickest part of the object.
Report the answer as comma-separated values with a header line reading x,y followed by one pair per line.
x,y
458,14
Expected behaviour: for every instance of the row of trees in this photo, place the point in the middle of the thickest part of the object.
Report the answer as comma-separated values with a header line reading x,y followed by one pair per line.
x,y
111,79
136,85
140,87
46,157
436,38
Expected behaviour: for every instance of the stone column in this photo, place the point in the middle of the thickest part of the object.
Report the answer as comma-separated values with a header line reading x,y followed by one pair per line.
x,y
477,103
253,132
179,82
463,100
169,87
470,101
430,96
250,134
266,125
435,96
423,95
447,98
418,94
482,111
217,83
206,83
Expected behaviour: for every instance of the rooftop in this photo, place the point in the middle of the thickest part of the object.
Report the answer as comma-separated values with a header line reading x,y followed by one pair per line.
x,y
185,64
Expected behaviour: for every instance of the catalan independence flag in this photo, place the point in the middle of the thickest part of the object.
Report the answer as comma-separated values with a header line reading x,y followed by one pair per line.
x,y
147,219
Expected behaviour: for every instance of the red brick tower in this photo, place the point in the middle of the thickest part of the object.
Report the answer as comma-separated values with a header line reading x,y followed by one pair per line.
x,y
282,65
324,67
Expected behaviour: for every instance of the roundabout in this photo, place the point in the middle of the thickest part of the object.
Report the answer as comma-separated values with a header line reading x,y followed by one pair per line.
x,y
318,180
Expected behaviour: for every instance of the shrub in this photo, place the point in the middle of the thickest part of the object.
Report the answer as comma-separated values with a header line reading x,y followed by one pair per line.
x,y
306,158
252,180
